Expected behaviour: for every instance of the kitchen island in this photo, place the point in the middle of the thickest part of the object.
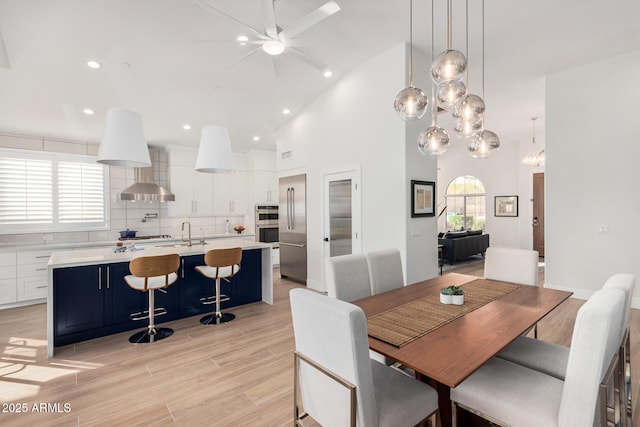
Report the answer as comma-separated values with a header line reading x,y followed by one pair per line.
x,y
88,297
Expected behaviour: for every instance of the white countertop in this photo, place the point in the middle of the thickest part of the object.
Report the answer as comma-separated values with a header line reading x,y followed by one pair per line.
x,y
105,255
7,247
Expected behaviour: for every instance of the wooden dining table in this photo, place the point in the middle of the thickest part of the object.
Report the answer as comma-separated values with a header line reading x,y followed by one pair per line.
x,y
447,355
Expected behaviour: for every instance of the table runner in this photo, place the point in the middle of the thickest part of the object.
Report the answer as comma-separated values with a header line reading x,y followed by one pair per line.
x,y
402,325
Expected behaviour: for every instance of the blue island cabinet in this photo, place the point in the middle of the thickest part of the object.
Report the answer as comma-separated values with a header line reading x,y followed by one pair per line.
x,y
94,300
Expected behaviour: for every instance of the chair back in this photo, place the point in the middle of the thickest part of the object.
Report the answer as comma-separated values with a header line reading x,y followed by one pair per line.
x,y
511,265
348,277
385,270
626,283
223,257
593,345
154,266
333,334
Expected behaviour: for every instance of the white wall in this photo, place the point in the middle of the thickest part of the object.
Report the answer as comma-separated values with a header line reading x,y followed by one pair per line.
x,y
353,122
499,174
592,147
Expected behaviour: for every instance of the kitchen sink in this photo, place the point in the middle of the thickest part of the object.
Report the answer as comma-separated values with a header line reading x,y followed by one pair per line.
x,y
180,245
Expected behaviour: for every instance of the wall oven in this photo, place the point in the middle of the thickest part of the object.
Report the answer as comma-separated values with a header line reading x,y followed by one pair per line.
x,y
267,224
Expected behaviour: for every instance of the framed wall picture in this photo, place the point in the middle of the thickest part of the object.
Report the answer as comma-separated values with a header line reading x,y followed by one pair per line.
x,y
506,206
423,197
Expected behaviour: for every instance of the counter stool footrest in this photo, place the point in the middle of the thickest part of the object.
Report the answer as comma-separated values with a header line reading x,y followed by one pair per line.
x,y
142,315
212,299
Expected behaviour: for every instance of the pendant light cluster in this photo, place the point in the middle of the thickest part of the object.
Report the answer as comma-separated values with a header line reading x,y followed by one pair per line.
x,y
450,93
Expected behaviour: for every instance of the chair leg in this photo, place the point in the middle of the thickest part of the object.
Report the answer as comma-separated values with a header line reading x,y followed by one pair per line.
x,y
152,334
218,317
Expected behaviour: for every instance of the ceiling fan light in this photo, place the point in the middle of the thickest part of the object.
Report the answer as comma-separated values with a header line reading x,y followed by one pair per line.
x,y
123,142
214,152
273,47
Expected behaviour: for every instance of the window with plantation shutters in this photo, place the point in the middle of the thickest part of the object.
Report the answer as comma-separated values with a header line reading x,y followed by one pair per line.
x,y
80,192
47,192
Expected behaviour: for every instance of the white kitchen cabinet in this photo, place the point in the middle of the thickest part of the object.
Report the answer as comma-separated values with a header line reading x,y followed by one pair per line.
x,y
193,189
230,193
8,289
32,279
265,187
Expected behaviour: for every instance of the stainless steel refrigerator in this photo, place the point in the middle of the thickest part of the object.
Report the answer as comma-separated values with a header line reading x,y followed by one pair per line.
x,y
292,216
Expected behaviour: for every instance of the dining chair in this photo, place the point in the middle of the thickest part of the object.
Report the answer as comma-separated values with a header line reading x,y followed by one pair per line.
x,y
513,265
511,394
385,270
336,382
348,277
552,359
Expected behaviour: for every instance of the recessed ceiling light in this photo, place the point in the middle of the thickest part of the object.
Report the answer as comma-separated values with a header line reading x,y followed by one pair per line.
x,y
273,47
327,73
256,138
93,64
286,111
242,40
88,111
186,126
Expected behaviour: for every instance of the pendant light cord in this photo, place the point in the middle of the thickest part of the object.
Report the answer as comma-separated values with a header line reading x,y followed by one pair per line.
x,y
434,108
449,23
467,38
483,51
410,43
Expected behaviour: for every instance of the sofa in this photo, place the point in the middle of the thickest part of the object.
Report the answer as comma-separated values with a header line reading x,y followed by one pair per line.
x,y
457,245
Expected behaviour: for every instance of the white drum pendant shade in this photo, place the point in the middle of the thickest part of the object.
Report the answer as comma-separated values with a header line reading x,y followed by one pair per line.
x,y
123,142
214,154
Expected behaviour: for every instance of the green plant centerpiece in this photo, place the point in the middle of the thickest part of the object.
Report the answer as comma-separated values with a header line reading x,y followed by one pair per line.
x,y
452,295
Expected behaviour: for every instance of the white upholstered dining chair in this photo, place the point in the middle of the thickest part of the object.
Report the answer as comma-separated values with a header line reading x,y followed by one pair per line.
x,y
512,265
348,277
385,270
339,385
512,394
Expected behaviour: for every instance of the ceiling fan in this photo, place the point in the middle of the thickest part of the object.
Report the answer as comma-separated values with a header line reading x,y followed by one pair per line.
x,y
275,40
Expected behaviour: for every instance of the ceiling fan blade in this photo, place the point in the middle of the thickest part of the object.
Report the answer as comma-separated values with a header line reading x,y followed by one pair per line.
x,y
307,58
210,8
4,58
270,25
243,57
308,21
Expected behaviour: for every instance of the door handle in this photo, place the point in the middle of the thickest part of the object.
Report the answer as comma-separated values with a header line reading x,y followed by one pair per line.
x,y
326,239
534,223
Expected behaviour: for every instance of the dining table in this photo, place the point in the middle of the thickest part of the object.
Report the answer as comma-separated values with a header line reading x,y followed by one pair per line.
x,y
444,344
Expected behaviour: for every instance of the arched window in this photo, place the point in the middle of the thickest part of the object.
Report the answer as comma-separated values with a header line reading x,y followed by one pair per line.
x,y
465,198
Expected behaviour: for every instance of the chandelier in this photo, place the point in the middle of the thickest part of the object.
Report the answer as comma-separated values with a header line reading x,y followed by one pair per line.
x,y
450,93
534,159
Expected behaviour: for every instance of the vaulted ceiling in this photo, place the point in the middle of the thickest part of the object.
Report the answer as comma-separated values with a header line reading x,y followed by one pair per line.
x,y
187,67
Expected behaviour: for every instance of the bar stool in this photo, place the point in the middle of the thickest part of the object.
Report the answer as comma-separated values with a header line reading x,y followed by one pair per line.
x,y
220,264
149,273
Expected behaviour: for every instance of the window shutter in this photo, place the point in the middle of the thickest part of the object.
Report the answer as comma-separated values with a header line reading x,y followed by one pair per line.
x,y
26,191
80,192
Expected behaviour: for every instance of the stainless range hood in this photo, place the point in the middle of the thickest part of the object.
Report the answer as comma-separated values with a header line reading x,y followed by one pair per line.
x,y
145,190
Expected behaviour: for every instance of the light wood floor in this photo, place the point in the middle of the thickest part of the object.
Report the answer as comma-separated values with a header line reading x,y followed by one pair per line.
x,y
239,373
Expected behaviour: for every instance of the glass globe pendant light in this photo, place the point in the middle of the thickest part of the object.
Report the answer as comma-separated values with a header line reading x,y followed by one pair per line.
x,y
449,93
450,65
464,129
469,108
434,140
411,102
483,144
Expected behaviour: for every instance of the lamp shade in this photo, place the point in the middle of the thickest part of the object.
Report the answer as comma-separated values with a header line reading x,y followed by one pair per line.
x,y
214,154
123,142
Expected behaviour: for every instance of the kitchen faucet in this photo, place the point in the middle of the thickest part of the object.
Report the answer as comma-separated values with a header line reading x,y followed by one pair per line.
x,y
189,225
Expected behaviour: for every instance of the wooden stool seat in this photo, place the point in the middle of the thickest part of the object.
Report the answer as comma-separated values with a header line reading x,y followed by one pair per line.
x,y
149,273
220,264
